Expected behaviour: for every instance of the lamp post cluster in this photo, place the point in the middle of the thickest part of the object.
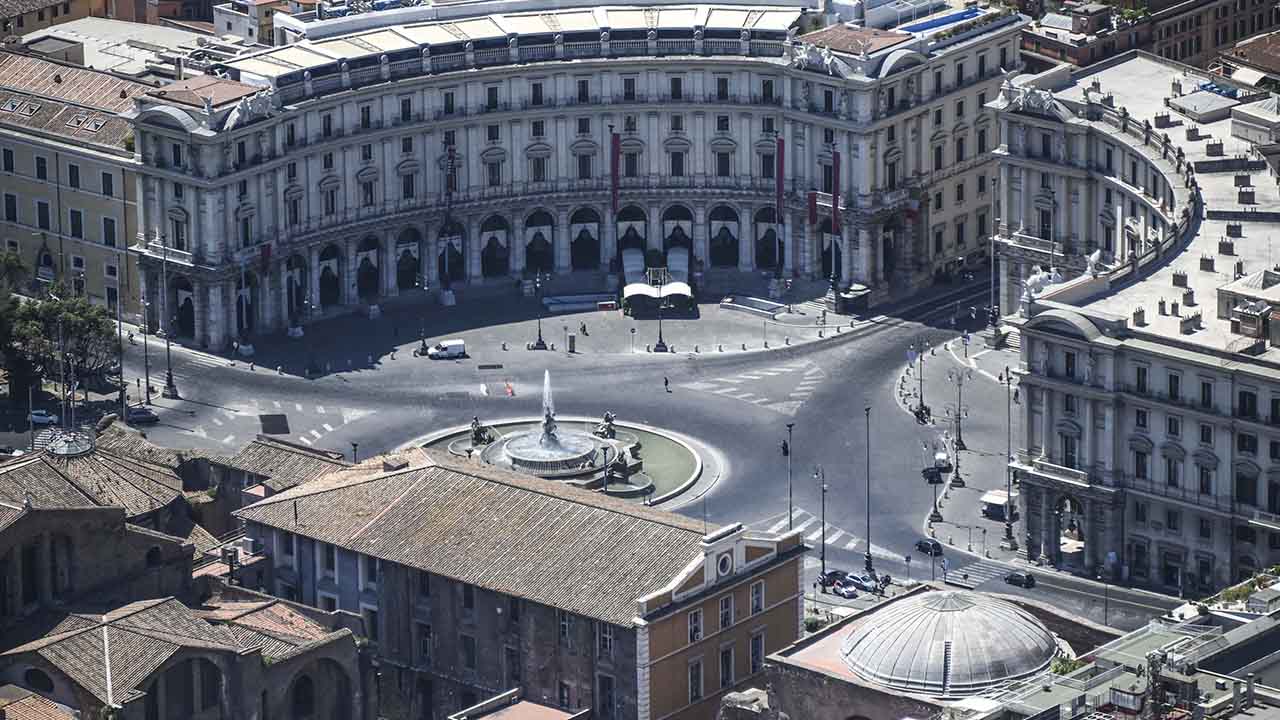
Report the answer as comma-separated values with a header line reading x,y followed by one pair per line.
x,y
539,344
1010,543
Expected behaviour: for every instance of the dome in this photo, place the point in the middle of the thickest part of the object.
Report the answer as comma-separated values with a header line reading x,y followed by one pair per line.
x,y
948,644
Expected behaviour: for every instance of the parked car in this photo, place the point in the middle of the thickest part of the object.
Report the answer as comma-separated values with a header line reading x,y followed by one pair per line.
x,y
832,577
847,591
862,582
42,417
1021,579
141,416
447,349
929,546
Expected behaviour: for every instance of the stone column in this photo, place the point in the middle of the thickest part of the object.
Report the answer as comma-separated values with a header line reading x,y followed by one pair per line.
x,y
217,316
700,235
609,232
1028,418
515,244
200,313
1049,532
390,265
1062,207
562,241
804,246
1086,436
1091,537
473,249
846,252
427,258
349,294
144,287
746,239
313,279
267,297
1046,418
1108,440
654,230
864,274
282,272
788,248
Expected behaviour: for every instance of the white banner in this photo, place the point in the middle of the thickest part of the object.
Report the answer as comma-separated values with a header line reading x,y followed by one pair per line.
x,y
637,225
499,235
454,240
531,233
372,255
669,227
331,264
593,229
716,226
185,295
762,229
411,249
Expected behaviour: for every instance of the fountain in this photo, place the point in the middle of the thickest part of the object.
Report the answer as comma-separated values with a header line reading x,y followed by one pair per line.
x,y
551,451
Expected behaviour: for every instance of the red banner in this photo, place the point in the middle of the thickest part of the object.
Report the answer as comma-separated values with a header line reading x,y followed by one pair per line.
x,y
835,192
781,164
615,153
813,207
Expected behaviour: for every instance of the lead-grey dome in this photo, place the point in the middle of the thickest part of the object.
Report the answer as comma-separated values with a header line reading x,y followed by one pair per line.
x,y
948,644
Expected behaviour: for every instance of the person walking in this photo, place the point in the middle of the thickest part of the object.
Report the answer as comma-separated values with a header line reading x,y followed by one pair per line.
x,y
666,384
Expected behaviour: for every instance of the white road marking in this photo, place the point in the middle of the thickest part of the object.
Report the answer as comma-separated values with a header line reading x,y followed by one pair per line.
x,y
778,526
851,544
786,407
806,523
199,431
749,376
320,409
297,406
742,396
328,427
801,395
227,440
815,534
760,400
831,539
276,403
217,422
350,415
699,386
315,434
304,439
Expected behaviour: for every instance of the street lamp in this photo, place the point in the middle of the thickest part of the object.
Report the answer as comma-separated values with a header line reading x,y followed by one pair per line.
x,y
870,569
661,345
146,353
355,452
313,365
170,388
1106,599
537,291
959,378
786,452
916,354
1007,378
821,476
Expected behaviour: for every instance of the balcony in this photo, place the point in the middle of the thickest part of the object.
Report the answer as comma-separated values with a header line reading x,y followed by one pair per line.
x,y
1188,495
1045,467
1262,518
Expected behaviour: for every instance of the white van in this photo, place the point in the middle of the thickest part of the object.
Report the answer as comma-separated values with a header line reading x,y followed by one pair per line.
x,y
446,349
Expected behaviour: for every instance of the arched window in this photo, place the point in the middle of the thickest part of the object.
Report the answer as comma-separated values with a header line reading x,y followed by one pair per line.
x,y
304,697
38,680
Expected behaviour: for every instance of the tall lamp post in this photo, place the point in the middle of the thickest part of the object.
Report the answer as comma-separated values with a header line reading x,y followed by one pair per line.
x,y
916,354
1106,599
786,452
661,345
537,291
959,378
146,353
821,476
870,568
1007,378
170,388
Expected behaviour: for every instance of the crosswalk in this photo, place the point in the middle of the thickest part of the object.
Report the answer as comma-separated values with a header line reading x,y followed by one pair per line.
x,y
813,529
759,387
222,424
979,572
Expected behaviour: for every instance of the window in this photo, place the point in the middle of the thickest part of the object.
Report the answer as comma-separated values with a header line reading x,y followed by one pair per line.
x,y
1275,449
327,161
677,164
328,558
371,623
10,208
630,164
566,629
209,685
677,88
766,90
937,241
109,231
424,643
606,641
722,88
695,626
960,152
768,165
241,154
1141,375
726,611
491,98
1141,468
722,123
722,164
1206,528
937,201
1206,480
1172,472
1173,426
108,184
584,126
757,597
629,89
538,169
937,82
982,140
1248,405
175,153
1140,512
287,544
695,681
407,189
468,652
726,666
406,112
468,597
890,134
366,152
757,652
937,158
1206,433
584,167
937,116
1247,443
294,211
677,123
494,172
291,171
424,584
982,185
73,175
406,145
828,136
959,192
539,128
8,160
42,215
449,106
959,109
982,101
366,117
562,696
584,91
535,94
330,201
513,666
246,231
42,168
1175,387
1173,520
493,132
366,194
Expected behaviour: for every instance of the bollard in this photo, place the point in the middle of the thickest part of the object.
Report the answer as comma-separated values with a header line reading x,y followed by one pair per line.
x,y
648,348
951,541
695,349
819,334
393,354
553,347
766,344
528,346
786,340
744,346
720,347
504,347
839,328
279,369
671,348
252,367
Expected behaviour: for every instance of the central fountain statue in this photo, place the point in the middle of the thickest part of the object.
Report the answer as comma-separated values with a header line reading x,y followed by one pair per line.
x,y
548,412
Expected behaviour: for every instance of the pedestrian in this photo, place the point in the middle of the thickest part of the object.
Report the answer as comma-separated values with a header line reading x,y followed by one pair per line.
x,y
666,384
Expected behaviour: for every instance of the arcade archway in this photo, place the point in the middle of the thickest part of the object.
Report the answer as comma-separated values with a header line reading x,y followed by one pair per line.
x,y
584,242
367,283
330,276
723,250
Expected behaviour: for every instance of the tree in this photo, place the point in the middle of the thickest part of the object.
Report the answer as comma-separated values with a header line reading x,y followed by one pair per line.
x,y
13,272
84,332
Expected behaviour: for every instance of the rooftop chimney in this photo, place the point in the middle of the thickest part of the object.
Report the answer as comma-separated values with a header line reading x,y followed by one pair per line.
x,y
1249,692
1235,697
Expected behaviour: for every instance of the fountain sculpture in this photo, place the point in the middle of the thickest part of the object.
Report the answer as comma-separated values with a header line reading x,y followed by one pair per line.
x,y
552,451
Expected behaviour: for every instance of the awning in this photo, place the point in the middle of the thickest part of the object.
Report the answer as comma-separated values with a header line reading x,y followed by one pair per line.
x,y
672,289
1248,76
639,289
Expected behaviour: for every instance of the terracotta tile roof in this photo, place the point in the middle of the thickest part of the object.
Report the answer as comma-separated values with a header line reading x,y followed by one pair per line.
x,y
193,91
285,464
272,625
87,88
9,514
27,112
843,38
14,8
1262,52
124,440
590,554
98,477
138,638
21,704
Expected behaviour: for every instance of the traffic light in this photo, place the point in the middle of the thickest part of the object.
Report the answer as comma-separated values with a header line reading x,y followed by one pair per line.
x,y
786,449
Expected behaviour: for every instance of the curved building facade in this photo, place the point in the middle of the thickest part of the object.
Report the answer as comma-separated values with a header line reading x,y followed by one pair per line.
x,y
429,147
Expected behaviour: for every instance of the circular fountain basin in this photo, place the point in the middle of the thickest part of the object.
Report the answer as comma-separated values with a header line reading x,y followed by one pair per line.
x,y
536,454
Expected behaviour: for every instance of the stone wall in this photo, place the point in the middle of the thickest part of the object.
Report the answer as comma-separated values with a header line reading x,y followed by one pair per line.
x,y
803,693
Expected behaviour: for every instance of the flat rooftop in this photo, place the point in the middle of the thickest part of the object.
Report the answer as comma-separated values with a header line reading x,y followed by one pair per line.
x,y
1141,83
115,45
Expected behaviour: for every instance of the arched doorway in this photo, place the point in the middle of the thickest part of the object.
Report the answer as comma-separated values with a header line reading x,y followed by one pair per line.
x,y
767,243
450,262
832,254
408,245
330,276
889,246
185,307
539,255
367,284
723,251
584,240
320,691
246,303
1069,524
495,258
631,228
677,226
295,279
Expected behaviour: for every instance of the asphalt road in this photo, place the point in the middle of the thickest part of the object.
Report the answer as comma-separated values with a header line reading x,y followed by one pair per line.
x,y
737,403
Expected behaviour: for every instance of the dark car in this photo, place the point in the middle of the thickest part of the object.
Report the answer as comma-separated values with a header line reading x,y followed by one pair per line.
x,y
832,577
929,546
1021,579
141,416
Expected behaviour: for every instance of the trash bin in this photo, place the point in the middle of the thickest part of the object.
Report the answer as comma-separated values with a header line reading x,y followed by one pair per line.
x,y
573,342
